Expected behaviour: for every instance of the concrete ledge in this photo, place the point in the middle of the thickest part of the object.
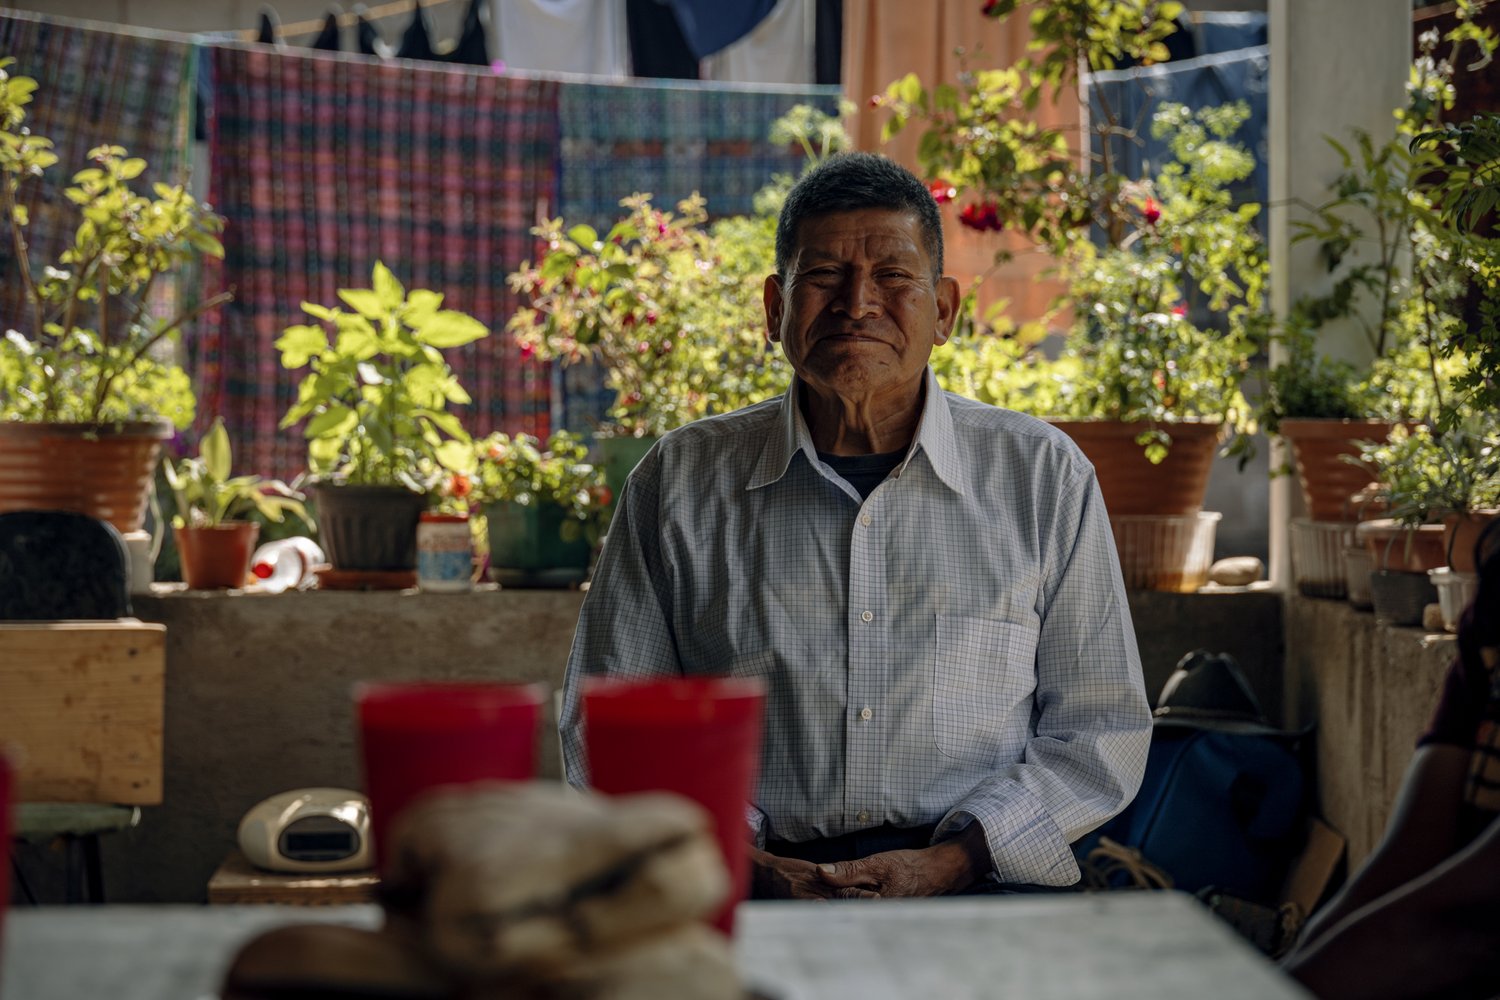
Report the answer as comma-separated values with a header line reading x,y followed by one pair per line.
x,y
1370,689
258,692
258,702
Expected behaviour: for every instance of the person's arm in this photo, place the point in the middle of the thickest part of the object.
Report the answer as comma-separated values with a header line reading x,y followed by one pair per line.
x,y
1419,835
1436,935
625,627
1087,756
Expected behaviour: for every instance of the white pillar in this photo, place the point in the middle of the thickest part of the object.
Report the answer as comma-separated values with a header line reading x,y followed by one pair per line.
x,y
1336,65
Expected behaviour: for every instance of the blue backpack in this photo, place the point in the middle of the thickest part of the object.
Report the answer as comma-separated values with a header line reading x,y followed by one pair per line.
x,y
1223,803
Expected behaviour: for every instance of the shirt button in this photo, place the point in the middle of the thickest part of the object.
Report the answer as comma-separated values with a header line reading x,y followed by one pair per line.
x,y
863,817
867,616
866,715
865,520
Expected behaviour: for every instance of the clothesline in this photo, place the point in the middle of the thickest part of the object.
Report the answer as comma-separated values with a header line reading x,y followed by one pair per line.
x,y
347,18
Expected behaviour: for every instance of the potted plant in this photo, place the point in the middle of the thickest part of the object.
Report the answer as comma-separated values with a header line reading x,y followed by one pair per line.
x,y
1133,253
1465,192
649,304
375,400
213,533
544,506
668,304
1387,237
87,388
1133,366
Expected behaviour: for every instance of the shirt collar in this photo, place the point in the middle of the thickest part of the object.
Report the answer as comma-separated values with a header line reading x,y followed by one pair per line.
x,y
935,438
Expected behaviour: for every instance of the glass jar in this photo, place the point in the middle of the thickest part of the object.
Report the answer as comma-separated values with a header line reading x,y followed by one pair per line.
x,y
445,553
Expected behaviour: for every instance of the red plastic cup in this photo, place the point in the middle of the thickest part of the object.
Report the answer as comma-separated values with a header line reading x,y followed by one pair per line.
x,y
698,737
421,735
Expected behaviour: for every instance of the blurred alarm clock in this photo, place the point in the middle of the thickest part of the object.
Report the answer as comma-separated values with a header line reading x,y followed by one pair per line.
x,y
309,830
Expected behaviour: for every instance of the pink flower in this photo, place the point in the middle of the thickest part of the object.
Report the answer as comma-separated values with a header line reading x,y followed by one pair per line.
x,y
527,350
1151,211
942,191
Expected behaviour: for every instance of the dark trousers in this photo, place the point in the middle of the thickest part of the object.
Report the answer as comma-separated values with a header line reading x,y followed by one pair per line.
x,y
878,840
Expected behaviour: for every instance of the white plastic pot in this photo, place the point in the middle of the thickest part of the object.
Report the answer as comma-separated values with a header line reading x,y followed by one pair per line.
x,y
1455,591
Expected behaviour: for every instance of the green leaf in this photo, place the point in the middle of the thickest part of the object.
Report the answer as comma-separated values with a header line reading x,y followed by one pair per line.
x,y
298,344
908,89
420,305
446,422
388,290
215,451
321,312
333,423
584,236
450,328
363,301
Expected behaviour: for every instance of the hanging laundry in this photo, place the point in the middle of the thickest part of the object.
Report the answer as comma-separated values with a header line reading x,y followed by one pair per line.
x,y
328,38
566,36
779,50
657,48
416,42
712,25
268,28
828,42
437,170
472,48
367,37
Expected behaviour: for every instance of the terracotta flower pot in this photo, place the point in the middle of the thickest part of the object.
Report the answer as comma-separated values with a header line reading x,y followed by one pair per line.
x,y
1396,547
1131,485
1461,533
216,558
1328,480
102,470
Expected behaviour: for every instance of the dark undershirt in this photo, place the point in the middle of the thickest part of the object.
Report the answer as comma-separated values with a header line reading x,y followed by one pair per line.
x,y
863,472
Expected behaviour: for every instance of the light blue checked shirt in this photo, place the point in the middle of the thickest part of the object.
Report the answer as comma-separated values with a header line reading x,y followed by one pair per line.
x,y
956,648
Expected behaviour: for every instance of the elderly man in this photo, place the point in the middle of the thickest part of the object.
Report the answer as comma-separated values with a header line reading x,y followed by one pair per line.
x,y
927,585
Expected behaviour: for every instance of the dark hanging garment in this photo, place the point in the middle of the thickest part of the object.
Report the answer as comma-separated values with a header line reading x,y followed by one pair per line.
x,y
328,38
713,25
269,31
416,43
472,49
367,36
657,48
828,41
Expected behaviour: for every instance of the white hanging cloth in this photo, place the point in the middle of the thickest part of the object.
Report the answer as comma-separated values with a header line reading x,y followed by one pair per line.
x,y
779,50
564,36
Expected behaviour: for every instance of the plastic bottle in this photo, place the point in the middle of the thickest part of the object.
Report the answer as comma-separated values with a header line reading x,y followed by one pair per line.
x,y
285,564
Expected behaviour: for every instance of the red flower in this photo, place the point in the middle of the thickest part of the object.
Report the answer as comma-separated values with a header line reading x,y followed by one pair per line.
x,y
982,216
601,495
877,100
527,350
459,485
942,191
1151,211
990,8
1180,310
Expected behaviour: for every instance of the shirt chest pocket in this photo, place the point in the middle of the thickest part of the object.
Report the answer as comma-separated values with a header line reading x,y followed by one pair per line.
x,y
984,675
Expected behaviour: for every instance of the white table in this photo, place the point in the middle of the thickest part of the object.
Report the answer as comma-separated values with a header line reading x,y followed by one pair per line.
x,y
1114,946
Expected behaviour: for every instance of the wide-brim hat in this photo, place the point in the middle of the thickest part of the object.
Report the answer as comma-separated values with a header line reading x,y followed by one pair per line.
x,y
1210,691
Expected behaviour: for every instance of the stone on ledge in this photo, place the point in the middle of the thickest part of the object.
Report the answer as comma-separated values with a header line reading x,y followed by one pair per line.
x,y
1236,571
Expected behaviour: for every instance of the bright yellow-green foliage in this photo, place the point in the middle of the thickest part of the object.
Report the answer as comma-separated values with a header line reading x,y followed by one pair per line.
x,y
85,347
207,495
376,395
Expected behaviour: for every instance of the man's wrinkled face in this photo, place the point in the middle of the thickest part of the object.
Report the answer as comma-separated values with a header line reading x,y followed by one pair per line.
x,y
858,310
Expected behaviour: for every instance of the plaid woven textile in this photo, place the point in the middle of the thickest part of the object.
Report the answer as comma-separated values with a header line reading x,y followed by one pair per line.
x,y
93,87
671,139
325,163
